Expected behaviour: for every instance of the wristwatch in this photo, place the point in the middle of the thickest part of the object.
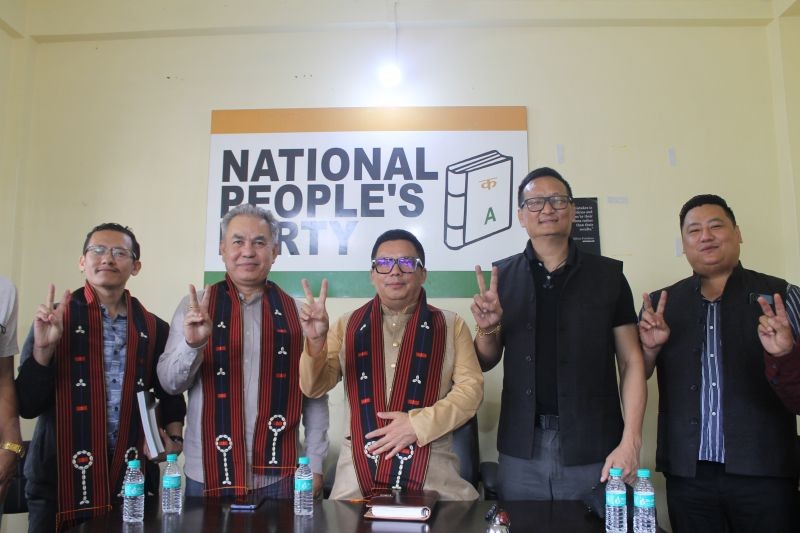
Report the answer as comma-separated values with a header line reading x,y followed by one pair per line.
x,y
14,447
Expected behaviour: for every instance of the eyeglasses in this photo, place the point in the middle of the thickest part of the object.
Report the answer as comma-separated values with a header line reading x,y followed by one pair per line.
x,y
407,265
98,250
536,203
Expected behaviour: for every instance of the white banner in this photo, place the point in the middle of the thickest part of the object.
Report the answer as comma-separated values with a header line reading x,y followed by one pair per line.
x,y
338,178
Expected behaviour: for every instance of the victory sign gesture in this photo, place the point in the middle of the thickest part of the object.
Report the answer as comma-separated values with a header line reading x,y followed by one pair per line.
x,y
196,322
314,317
774,329
486,304
48,326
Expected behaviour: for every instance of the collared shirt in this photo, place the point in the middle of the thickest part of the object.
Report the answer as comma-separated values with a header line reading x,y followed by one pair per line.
x,y
549,287
115,336
178,371
712,434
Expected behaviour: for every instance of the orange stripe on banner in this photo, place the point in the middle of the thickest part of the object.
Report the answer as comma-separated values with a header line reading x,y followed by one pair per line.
x,y
220,348
280,375
80,358
81,407
222,395
496,118
422,355
413,402
363,354
366,401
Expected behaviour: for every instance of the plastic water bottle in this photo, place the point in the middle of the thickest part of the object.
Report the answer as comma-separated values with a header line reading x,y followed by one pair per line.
x,y
133,493
616,503
171,490
303,489
644,503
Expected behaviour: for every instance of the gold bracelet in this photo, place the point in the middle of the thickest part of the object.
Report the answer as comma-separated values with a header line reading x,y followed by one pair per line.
x,y
483,333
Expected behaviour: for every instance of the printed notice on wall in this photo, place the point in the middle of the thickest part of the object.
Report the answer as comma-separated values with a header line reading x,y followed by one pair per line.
x,y
337,178
586,228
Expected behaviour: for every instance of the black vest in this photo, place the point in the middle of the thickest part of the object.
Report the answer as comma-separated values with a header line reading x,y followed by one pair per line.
x,y
590,418
759,431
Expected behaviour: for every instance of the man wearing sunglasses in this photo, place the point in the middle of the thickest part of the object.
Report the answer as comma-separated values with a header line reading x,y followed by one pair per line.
x,y
561,317
83,364
410,374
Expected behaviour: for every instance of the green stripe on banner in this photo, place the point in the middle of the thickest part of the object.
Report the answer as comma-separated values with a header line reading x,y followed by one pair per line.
x,y
352,284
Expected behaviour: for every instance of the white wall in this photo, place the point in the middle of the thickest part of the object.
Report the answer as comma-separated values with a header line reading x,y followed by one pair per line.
x,y
115,126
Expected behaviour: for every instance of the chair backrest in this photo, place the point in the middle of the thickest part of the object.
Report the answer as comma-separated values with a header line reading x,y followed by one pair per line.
x,y
466,447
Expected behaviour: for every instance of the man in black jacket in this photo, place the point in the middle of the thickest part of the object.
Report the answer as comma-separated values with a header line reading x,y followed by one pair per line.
x,y
726,442
81,368
562,317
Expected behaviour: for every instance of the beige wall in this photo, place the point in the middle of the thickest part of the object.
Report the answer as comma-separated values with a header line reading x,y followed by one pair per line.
x,y
105,115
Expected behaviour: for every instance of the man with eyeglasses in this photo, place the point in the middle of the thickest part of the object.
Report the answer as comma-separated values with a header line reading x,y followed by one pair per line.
x,y
729,383
236,348
562,318
410,378
83,364
11,449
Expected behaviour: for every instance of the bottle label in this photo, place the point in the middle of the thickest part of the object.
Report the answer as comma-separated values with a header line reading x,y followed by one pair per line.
x,y
134,489
303,485
645,500
171,482
615,498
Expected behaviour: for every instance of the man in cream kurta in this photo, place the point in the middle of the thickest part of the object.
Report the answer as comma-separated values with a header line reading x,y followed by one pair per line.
x,y
398,274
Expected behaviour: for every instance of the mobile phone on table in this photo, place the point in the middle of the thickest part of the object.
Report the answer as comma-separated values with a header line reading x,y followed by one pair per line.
x,y
248,502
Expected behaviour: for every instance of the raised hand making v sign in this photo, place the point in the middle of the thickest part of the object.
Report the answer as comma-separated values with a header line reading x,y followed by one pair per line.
x,y
774,328
653,330
314,318
488,313
48,326
196,322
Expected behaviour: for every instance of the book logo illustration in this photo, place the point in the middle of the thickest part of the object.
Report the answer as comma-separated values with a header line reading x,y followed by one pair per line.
x,y
478,199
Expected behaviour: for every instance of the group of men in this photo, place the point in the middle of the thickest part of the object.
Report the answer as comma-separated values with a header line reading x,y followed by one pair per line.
x,y
256,363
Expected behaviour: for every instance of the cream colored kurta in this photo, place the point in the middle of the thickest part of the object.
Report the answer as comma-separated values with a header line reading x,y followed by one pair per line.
x,y
460,395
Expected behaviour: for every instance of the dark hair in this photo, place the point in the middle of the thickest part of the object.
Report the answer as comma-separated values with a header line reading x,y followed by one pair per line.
x,y
399,235
113,226
544,172
706,199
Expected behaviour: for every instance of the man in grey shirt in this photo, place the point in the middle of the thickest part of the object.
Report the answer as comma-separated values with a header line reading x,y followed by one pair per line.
x,y
236,348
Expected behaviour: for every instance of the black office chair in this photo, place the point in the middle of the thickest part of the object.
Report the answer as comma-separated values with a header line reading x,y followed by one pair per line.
x,y
466,447
16,501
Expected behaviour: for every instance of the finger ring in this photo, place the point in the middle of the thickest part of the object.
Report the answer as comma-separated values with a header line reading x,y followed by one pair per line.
x,y
191,307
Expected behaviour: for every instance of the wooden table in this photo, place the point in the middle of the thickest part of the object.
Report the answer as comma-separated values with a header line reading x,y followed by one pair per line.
x,y
339,516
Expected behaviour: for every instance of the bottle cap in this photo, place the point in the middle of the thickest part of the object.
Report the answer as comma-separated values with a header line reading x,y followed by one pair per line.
x,y
172,457
302,461
643,472
616,472
134,463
